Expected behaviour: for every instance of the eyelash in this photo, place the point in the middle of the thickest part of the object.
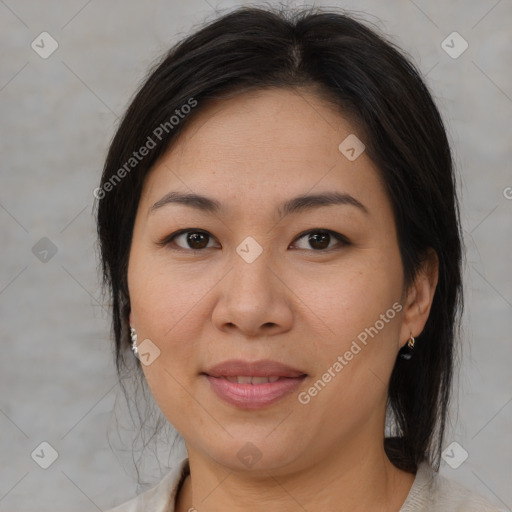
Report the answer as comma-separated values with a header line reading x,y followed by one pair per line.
x,y
169,240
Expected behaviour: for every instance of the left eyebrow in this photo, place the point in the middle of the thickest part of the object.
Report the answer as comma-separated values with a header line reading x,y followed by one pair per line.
x,y
294,205
307,202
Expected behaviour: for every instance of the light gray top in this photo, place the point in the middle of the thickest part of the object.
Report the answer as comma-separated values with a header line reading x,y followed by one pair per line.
x,y
430,492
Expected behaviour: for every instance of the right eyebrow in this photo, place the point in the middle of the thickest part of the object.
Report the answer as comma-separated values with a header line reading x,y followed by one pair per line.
x,y
203,203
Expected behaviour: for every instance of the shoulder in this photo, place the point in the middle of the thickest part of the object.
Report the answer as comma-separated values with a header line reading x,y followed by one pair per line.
x,y
160,497
433,492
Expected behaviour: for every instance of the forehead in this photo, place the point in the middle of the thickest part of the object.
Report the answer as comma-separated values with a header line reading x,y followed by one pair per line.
x,y
252,121
266,143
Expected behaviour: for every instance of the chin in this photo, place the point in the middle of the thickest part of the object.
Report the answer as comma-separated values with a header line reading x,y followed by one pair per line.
x,y
254,453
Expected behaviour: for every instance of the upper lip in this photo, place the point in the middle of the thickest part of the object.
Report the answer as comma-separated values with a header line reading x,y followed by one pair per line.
x,y
263,368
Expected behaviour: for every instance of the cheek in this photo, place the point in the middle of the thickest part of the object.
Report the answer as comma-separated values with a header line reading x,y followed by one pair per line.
x,y
352,297
157,295
167,303
165,309
361,307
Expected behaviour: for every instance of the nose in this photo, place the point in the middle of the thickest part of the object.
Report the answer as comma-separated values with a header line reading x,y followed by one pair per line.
x,y
253,300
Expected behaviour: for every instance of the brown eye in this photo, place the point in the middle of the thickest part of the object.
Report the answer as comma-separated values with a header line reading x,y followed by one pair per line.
x,y
197,240
320,240
189,239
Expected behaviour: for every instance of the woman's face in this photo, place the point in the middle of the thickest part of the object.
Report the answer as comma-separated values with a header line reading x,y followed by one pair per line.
x,y
246,282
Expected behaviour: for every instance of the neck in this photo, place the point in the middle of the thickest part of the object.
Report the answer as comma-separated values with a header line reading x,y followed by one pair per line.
x,y
359,478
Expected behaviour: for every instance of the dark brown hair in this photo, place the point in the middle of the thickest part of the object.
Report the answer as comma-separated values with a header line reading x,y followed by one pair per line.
x,y
370,82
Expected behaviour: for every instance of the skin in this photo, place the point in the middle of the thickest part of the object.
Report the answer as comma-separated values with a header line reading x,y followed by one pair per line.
x,y
294,304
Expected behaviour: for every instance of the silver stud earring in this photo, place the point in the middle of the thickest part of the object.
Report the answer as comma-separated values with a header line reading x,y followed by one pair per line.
x,y
133,336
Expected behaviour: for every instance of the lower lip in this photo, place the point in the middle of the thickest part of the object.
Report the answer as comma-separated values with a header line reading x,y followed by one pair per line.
x,y
253,396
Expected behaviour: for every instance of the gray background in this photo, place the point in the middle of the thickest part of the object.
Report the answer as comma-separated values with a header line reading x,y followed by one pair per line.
x,y
57,380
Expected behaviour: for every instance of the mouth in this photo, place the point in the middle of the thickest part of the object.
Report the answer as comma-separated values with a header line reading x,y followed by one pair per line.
x,y
247,379
253,385
263,368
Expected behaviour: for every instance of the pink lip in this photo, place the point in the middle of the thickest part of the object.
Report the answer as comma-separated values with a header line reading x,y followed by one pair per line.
x,y
253,396
263,368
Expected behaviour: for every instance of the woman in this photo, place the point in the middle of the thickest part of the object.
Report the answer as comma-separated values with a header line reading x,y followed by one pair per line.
x,y
279,233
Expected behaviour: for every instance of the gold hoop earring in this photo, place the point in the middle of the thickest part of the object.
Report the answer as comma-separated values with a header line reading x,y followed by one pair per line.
x,y
407,351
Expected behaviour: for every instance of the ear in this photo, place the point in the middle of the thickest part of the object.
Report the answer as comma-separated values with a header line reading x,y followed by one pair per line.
x,y
131,319
419,297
